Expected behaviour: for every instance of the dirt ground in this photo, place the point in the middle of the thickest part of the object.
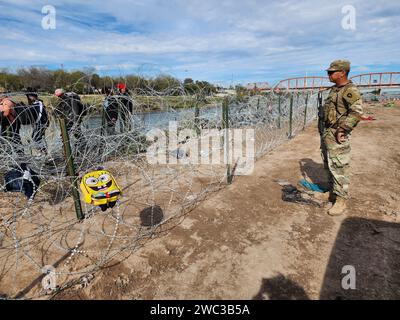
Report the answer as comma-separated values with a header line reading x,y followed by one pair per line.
x,y
246,242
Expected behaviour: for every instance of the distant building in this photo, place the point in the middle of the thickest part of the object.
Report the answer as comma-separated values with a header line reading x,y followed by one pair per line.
x,y
258,86
222,92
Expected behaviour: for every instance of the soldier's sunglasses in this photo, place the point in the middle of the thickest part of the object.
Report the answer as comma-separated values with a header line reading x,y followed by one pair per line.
x,y
332,72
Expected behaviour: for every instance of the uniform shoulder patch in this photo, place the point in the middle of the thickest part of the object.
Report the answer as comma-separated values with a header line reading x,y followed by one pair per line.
x,y
351,94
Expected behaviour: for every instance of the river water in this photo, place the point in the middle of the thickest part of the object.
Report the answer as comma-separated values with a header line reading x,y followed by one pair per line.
x,y
145,121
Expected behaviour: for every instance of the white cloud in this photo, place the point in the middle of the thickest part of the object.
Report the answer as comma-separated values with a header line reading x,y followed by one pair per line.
x,y
250,41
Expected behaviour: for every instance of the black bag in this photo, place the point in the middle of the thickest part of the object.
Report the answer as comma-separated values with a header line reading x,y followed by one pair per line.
x,y
16,180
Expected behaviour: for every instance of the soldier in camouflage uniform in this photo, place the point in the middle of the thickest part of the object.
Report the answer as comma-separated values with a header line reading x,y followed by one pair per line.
x,y
342,111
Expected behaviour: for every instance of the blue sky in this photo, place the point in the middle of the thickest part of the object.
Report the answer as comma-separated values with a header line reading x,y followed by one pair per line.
x,y
224,42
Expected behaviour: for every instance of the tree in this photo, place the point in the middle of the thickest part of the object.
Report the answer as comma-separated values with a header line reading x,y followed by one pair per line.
x,y
77,82
95,81
36,77
86,81
138,84
165,83
60,78
205,87
10,82
241,92
187,81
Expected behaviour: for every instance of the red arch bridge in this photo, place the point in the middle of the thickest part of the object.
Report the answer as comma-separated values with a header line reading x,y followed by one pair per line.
x,y
378,80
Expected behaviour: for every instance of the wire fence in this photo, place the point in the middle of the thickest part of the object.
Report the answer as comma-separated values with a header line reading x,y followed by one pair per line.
x,y
44,248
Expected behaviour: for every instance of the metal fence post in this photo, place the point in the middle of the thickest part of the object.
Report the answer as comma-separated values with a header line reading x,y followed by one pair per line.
x,y
196,119
71,169
225,126
291,118
305,112
103,122
279,111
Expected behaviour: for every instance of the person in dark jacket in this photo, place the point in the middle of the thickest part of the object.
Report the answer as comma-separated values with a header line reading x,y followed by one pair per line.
x,y
110,105
39,120
125,107
71,109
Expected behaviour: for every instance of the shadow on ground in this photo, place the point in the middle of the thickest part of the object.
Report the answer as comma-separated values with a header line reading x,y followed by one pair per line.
x,y
280,288
373,248
370,248
314,172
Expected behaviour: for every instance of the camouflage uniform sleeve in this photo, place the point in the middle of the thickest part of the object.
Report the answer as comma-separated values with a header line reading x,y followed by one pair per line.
x,y
353,100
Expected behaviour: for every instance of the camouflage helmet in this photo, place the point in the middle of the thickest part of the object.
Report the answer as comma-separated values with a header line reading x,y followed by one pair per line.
x,y
339,65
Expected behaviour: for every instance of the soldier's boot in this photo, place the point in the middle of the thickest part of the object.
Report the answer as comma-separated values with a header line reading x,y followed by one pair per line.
x,y
328,196
322,196
339,207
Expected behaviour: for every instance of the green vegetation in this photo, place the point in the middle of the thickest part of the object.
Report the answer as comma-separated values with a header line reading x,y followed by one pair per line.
x,y
143,103
150,94
89,82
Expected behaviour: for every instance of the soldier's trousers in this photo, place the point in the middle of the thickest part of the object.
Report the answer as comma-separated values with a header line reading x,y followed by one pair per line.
x,y
337,158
